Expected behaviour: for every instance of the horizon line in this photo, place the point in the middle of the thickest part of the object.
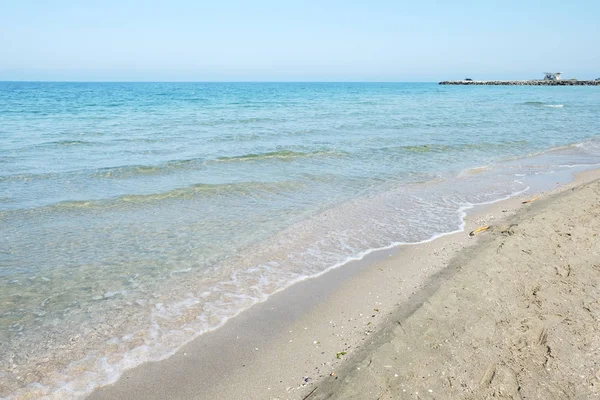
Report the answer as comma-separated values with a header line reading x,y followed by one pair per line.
x,y
186,81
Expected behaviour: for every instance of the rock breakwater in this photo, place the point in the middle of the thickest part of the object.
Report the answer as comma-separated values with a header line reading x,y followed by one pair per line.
x,y
570,82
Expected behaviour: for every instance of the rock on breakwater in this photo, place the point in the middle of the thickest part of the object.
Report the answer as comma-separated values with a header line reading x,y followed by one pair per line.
x,y
568,82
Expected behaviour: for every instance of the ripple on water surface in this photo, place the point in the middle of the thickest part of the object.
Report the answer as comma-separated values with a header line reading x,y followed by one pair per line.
x,y
136,217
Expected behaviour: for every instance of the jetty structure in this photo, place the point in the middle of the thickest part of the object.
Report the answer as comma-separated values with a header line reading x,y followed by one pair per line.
x,y
550,79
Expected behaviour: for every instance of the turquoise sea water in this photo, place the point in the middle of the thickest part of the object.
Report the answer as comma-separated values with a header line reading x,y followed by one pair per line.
x,y
136,216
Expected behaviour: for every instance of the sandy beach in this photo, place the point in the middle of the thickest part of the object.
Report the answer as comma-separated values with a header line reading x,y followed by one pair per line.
x,y
509,313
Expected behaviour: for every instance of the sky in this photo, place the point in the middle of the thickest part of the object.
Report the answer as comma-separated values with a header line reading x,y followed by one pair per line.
x,y
310,40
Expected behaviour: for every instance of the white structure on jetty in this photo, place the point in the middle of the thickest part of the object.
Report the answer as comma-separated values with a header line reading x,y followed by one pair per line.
x,y
552,76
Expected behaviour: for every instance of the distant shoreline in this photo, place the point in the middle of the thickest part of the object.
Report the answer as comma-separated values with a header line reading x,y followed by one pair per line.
x,y
538,82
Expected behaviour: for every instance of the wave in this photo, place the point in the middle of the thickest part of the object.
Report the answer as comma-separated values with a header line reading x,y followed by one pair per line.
x,y
402,125
426,148
542,104
236,137
589,147
263,135
128,171
59,143
440,148
234,121
253,188
27,177
281,155
132,171
111,142
199,163
120,172
69,142
555,149
249,189
474,171
55,143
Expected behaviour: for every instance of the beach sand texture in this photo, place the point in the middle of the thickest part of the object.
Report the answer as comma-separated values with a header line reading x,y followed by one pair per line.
x,y
518,319
510,313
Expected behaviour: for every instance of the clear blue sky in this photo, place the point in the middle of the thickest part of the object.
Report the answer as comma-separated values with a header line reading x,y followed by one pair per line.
x,y
310,40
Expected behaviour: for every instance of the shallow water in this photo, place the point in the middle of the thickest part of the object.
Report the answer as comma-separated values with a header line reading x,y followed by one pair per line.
x,y
136,216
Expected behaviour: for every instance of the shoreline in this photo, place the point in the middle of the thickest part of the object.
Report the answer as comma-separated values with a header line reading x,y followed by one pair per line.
x,y
281,347
517,317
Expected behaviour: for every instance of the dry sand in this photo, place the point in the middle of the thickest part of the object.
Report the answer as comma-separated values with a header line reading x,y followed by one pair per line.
x,y
518,320
512,313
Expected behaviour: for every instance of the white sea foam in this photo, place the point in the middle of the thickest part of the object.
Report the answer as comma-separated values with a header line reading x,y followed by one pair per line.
x,y
578,165
474,170
163,339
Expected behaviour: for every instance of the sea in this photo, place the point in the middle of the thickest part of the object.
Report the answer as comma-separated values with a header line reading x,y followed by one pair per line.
x,y
135,217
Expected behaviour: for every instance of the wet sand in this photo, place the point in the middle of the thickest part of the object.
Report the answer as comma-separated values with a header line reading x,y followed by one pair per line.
x,y
510,312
